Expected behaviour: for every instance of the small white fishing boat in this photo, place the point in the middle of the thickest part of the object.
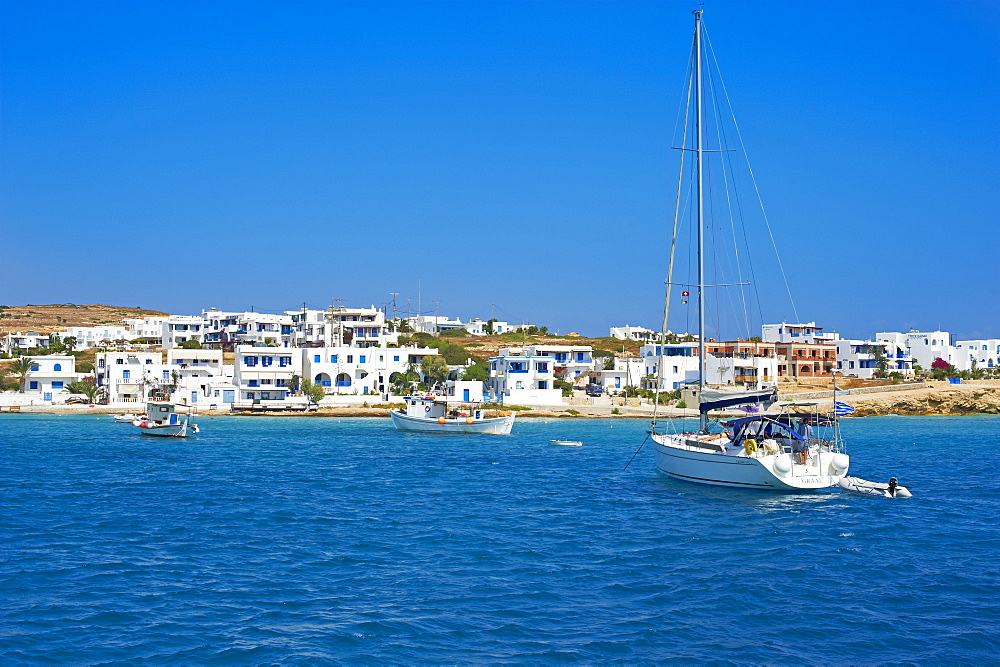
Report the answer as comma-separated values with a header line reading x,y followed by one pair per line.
x,y
431,413
567,443
162,420
127,419
892,489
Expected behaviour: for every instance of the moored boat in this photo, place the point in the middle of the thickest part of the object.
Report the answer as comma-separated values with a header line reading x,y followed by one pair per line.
x,y
764,451
161,419
432,414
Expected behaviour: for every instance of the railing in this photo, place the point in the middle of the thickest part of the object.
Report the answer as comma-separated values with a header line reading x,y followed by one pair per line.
x,y
342,383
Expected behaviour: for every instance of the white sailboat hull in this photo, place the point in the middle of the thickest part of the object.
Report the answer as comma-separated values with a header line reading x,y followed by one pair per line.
x,y
716,468
493,425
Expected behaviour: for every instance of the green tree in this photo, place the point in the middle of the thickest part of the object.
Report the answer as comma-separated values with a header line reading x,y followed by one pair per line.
x,y
190,345
489,328
434,368
293,384
476,372
88,387
401,382
313,391
55,343
70,343
20,368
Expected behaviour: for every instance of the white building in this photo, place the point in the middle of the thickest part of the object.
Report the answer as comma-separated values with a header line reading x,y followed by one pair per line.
x,y
628,332
862,358
572,362
358,327
985,353
50,374
358,371
926,347
146,330
625,372
130,377
796,333
518,377
179,329
202,377
228,330
263,376
674,363
96,336
23,341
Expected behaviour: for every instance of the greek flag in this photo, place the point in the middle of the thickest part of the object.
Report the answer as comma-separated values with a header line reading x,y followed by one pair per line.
x,y
841,409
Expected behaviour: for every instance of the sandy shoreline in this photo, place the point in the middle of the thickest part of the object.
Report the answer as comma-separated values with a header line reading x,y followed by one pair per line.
x,y
938,398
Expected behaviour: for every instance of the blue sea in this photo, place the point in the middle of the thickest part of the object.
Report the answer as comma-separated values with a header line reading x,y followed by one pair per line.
x,y
342,540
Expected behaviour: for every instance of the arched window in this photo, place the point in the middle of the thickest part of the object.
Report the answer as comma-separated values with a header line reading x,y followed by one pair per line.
x,y
34,367
57,367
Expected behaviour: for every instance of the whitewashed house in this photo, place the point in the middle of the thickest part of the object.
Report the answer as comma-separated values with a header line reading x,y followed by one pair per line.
x,y
625,372
641,334
202,377
517,377
926,346
179,329
673,363
984,353
23,341
360,370
130,377
263,376
806,332
358,327
862,358
50,375
96,336
574,361
145,330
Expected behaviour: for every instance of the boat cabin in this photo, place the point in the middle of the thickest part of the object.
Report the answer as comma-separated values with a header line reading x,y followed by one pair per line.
x,y
161,412
436,407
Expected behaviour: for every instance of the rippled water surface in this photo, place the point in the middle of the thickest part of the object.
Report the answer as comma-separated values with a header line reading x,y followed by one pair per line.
x,y
314,539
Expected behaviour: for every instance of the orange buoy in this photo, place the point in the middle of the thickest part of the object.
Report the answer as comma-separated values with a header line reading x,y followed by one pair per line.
x,y
440,420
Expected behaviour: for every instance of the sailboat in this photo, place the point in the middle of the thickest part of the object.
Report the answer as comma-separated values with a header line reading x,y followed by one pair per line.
x,y
760,451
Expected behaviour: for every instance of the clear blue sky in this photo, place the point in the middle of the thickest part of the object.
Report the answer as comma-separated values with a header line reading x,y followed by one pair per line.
x,y
183,155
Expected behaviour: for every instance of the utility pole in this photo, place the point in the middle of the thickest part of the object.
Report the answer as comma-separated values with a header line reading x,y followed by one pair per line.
x,y
393,295
437,302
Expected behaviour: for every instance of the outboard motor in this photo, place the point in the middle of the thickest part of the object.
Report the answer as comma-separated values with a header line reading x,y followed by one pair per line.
x,y
893,483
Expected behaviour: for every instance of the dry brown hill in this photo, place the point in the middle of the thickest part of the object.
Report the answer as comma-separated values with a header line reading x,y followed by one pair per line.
x,y
58,316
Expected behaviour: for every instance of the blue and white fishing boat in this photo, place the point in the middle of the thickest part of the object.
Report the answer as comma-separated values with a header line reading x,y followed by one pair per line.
x,y
432,414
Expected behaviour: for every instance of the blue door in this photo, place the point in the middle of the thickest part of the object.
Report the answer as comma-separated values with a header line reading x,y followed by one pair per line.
x,y
465,395
228,396
194,397
47,396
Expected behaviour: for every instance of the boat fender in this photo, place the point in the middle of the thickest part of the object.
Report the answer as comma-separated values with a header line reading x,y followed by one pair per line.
x,y
782,465
840,463
427,408
440,420
136,422
468,420
750,445
893,483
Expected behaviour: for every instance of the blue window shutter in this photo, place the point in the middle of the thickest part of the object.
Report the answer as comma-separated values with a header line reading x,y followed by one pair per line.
x,y
316,358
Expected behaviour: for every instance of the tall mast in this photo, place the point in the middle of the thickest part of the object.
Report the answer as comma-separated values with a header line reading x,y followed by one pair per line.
x,y
703,419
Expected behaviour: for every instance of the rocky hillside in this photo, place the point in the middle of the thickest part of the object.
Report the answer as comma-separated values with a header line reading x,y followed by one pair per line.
x,y
58,316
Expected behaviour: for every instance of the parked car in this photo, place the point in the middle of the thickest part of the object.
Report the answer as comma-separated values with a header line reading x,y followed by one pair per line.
x,y
594,390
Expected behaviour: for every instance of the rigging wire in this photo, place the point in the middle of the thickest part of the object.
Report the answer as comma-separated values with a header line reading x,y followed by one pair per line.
x,y
753,179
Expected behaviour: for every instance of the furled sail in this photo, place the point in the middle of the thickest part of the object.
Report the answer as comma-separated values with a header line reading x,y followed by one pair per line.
x,y
713,399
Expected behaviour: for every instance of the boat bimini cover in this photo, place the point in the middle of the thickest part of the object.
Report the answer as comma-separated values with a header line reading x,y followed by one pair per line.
x,y
752,427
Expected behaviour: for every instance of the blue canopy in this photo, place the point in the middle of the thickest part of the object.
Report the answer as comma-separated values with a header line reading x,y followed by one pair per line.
x,y
743,425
